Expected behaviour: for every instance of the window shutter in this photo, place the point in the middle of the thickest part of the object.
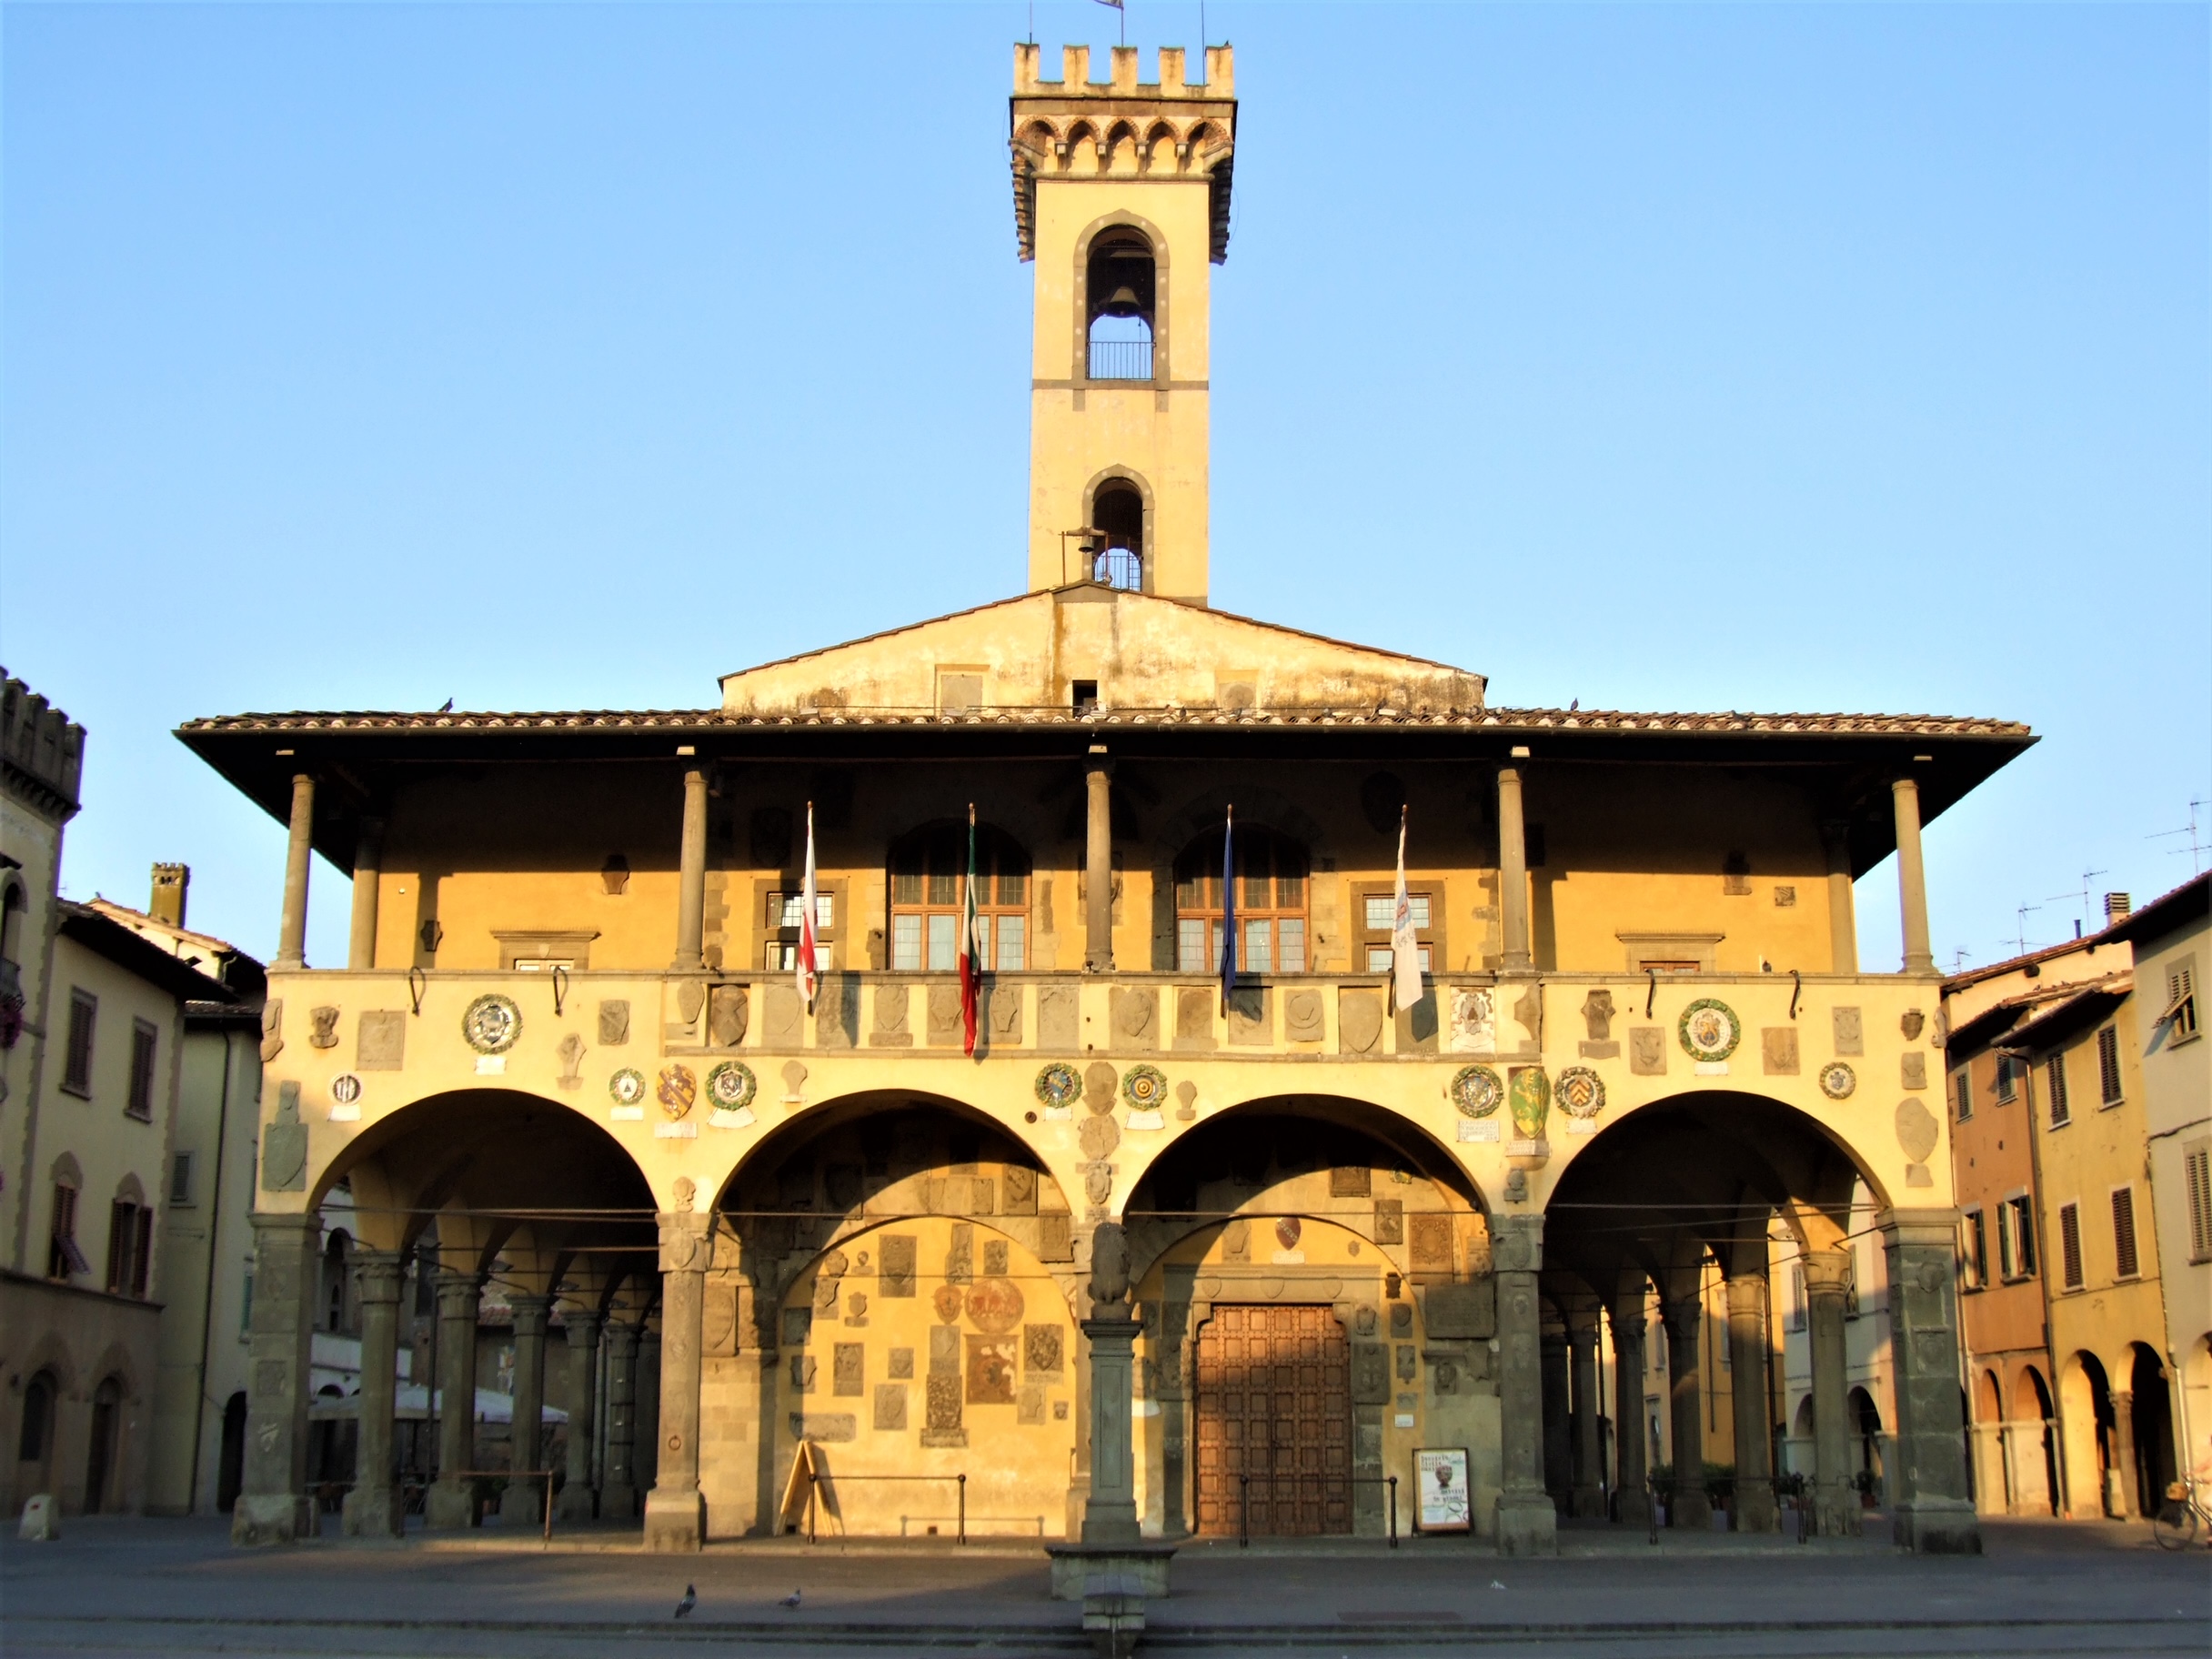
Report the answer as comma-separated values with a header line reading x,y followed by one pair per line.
x,y
77,1072
1962,1086
2124,1232
120,1234
142,1070
2069,1244
2108,1063
2055,1072
141,1256
2197,1175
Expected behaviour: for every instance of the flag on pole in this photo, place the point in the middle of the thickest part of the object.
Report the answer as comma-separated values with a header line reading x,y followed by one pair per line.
x,y
1405,947
1229,907
809,962
971,942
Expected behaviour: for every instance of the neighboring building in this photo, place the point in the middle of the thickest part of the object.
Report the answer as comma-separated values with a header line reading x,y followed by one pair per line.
x,y
207,1242
2169,937
2065,1310
567,1055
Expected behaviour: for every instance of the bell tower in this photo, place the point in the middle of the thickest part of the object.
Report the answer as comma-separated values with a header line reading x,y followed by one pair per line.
x,y
1121,200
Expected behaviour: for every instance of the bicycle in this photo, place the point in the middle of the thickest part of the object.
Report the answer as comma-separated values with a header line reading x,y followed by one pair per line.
x,y
2174,1525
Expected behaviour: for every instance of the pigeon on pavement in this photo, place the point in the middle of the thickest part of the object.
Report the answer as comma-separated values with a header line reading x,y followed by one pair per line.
x,y
683,1608
791,1599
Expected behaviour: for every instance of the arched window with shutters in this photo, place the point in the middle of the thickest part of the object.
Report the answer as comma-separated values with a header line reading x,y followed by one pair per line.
x,y
927,870
1272,885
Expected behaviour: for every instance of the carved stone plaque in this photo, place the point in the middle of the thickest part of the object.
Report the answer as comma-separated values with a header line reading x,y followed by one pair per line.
x,y
1135,1013
1303,1013
1359,1021
728,1013
945,1030
1432,1244
1912,1070
324,1022
1042,1349
782,1011
381,1045
1250,1024
1194,1019
896,1273
1059,1017
890,1407
1850,1032
846,1369
1389,1222
1647,1050
614,1022
1778,1050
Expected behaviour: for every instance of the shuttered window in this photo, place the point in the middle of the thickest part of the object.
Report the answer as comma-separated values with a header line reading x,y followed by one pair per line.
x,y
2055,1077
1972,1251
2069,1244
2108,1063
77,1063
144,1042
1962,1092
2197,1175
2125,1265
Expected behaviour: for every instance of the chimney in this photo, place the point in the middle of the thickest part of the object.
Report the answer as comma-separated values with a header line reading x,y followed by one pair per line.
x,y
2117,907
170,880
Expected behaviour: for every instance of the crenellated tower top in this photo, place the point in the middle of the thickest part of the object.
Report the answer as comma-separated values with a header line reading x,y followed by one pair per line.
x,y
1122,127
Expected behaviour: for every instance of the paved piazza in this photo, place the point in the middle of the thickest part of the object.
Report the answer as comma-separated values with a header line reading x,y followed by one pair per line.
x,y
135,1587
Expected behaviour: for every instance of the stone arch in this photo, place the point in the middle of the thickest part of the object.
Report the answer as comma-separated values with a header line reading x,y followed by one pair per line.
x,y
130,1190
1100,489
2087,1425
489,1152
66,1171
900,1345
50,1353
1307,1219
115,1362
849,1167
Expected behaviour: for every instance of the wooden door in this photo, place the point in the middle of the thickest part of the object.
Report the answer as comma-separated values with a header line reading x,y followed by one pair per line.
x,y
1275,1406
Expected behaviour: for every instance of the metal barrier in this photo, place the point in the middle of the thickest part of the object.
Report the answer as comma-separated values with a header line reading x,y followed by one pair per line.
x,y
816,1478
1120,359
1245,1497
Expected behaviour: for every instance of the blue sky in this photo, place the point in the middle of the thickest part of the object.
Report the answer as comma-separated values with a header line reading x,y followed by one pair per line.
x,y
1785,358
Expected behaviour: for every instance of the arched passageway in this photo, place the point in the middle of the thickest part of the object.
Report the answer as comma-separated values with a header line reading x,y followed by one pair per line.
x,y
1682,1209
1314,1279
476,1223
893,1286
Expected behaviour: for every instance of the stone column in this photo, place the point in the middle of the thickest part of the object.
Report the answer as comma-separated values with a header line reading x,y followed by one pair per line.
x,y
292,927
1934,1513
273,1505
523,1503
691,879
1589,1454
1527,1523
367,868
619,1493
374,1508
1098,862
1110,1513
450,1504
1754,1436
675,1512
2123,1451
1684,1320
1631,1502
583,1333
1912,876
1513,871
1558,1423
1843,909
1836,1502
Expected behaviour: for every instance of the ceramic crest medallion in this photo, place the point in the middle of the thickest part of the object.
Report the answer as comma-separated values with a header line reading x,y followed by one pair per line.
x,y
491,1024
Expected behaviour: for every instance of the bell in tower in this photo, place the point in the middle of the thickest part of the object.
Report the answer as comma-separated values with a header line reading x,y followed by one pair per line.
x,y
1121,200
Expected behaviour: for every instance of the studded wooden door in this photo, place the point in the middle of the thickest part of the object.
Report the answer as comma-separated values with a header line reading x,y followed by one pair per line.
x,y
1274,1407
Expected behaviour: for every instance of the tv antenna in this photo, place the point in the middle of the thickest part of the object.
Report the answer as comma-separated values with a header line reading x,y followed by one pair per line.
x,y
2196,848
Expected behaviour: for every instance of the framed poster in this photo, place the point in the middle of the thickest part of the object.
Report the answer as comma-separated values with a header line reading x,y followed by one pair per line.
x,y
1442,1503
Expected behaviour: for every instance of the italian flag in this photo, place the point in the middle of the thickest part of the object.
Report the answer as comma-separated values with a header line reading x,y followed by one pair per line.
x,y
971,942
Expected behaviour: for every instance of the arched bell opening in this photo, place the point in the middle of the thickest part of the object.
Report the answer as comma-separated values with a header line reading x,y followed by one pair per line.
x,y
1120,304
1314,1289
892,1290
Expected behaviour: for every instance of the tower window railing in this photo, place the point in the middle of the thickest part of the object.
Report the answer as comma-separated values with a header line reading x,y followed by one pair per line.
x,y
1119,568
1120,359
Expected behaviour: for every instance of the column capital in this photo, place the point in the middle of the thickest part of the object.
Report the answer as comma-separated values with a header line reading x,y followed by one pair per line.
x,y
1937,1227
1747,1294
378,1273
281,1228
1683,1316
1827,1272
530,1313
583,1328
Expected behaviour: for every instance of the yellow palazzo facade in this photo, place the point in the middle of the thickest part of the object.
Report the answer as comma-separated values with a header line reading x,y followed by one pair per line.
x,y
1158,1258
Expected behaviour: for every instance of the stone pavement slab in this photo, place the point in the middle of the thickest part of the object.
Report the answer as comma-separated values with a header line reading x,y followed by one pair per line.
x,y
119,1587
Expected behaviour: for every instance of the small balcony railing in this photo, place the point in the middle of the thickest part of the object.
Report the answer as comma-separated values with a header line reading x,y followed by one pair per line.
x,y
1120,359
